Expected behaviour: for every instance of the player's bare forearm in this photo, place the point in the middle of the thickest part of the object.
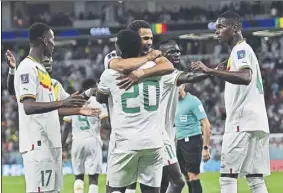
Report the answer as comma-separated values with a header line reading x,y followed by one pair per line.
x,y
241,77
163,66
68,111
10,84
88,93
191,78
33,107
127,65
205,126
101,98
67,127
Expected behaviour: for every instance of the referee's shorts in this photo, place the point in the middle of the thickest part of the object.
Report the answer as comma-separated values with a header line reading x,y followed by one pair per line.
x,y
189,152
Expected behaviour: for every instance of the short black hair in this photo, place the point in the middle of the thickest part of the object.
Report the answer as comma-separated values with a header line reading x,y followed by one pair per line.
x,y
233,16
129,43
37,30
136,25
166,42
88,83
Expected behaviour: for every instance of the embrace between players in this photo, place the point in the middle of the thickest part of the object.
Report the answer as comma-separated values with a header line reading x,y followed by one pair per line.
x,y
140,88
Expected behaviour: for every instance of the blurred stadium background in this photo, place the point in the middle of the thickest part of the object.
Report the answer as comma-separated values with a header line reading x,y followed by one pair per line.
x,y
85,33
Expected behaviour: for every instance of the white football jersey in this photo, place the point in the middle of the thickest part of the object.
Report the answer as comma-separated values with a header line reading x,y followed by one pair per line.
x,y
59,91
169,102
85,126
245,106
109,57
37,130
135,114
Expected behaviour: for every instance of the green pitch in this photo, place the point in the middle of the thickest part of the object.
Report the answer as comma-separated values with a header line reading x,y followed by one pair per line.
x,y
209,182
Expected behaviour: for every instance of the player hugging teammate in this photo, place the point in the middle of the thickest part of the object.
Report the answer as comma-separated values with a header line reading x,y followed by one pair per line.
x,y
140,88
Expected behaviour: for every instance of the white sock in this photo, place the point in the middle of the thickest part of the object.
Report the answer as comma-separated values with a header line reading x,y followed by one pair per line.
x,y
93,188
228,185
79,186
257,185
130,191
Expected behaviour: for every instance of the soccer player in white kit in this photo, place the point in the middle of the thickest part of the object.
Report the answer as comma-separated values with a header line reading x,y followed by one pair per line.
x,y
39,127
137,155
86,142
245,150
169,97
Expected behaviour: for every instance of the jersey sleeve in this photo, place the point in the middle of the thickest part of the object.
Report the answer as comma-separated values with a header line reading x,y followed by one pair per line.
x,y
104,112
110,57
242,58
198,110
171,79
68,119
27,81
104,84
63,93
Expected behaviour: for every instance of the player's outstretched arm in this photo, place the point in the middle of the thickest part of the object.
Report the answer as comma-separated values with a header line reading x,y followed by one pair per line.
x,y
163,66
85,111
241,77
130,64
101,97
33,107
193,77
11,61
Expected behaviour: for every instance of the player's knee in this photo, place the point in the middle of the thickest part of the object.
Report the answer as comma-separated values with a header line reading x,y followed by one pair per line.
x,y
79,186
193,176
227,181
257,184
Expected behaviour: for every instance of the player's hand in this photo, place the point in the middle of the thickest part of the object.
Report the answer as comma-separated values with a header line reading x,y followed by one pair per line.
x,y
126,82
222,66
152,55
86,111
205,155
11,61
199,66
75,100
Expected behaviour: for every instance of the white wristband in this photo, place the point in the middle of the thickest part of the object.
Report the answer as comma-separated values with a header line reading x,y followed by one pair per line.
x,y
12,71
88,92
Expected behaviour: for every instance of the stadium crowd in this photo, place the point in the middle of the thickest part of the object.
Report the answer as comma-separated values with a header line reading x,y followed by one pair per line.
x,y
247,9
73,63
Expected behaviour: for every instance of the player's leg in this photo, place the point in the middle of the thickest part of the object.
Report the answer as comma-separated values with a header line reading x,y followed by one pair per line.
x,y
41,173
131,188
164,182
93,183
171,171
78,160
234,151
257,162
175,178
150,168
181,161
190,149
93,163
121,169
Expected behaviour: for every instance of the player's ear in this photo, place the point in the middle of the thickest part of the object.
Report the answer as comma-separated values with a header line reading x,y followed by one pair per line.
x,y
236,28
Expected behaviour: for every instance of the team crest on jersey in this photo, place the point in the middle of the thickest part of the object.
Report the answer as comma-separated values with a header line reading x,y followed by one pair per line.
x,y
25,78
241,54
44,79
